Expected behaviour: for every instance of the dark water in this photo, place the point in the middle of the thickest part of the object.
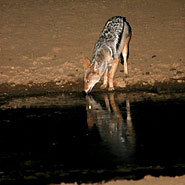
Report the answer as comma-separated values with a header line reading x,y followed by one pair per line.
x,y
73,138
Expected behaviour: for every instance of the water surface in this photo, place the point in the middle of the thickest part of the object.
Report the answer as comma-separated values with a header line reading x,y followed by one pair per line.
x,y
76,138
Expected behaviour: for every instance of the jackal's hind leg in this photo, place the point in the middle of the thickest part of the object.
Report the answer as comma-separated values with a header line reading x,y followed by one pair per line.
x,y
105,80
125,54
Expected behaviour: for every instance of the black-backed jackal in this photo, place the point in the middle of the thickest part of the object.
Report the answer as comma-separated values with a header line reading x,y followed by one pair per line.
x,y
112,46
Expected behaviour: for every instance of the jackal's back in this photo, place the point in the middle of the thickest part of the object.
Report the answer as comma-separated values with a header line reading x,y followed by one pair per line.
x,y
112,33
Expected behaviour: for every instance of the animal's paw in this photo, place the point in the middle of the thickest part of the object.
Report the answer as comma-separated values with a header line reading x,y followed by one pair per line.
x,y
103,86
111,89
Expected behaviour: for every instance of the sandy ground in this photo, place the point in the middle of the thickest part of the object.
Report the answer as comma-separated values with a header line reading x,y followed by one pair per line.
x,y
43,43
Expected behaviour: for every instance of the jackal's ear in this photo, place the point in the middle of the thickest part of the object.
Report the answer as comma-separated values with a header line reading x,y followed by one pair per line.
x,y
86,63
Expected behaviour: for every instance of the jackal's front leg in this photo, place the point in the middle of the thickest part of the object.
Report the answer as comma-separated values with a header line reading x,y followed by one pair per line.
x,y
112,73
105,80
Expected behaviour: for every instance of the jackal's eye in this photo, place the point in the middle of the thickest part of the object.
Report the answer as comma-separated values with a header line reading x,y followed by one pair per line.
x,y
88,81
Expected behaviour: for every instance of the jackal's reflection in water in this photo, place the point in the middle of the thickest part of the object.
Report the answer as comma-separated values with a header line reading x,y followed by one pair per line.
x,y
117,134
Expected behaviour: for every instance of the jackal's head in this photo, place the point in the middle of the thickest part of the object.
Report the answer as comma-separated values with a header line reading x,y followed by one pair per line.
x,y
92,75
96,68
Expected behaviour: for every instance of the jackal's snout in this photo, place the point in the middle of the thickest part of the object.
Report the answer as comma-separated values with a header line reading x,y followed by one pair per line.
x,y
89,83
87,91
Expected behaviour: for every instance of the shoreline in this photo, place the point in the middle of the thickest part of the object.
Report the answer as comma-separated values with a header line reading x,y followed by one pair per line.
x,y
11,90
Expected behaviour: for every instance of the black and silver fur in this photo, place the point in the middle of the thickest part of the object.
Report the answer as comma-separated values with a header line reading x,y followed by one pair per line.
x,y
111,35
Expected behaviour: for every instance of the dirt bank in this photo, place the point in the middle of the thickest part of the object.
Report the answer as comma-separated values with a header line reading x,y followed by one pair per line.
x,y
43,43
